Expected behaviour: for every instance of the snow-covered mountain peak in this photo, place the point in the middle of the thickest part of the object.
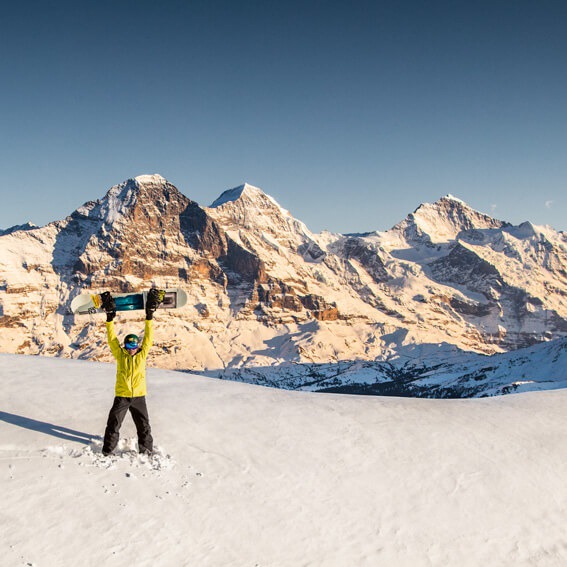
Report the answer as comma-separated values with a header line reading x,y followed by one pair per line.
x,y
131,197
248,207
528,230
246,191
453,199
443,220
155,179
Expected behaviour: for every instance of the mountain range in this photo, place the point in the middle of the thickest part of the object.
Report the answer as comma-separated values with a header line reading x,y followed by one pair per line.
x,y
445,294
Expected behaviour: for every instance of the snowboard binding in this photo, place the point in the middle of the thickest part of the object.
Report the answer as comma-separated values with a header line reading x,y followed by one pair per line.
x,y
153,301
108,304
107,301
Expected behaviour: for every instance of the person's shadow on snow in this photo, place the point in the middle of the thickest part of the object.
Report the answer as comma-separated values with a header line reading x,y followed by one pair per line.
x,y
48,428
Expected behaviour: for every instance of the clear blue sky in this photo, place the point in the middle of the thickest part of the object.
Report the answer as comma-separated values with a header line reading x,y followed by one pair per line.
x,y
349,114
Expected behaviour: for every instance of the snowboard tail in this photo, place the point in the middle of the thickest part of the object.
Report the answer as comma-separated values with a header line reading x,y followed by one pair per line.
x,y
88,303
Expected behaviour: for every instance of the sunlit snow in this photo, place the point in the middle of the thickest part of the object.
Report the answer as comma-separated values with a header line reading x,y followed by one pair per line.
x,y
250,476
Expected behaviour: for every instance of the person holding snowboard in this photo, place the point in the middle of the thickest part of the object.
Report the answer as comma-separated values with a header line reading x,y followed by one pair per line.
x,y
130,390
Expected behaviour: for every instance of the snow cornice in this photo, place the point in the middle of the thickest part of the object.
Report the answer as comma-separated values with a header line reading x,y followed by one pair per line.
x,y
145,179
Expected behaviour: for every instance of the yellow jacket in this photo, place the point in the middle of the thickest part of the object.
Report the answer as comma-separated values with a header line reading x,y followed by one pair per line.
x,y
130,369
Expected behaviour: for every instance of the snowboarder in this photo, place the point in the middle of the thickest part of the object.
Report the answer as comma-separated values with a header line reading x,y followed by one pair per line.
x,y
130,390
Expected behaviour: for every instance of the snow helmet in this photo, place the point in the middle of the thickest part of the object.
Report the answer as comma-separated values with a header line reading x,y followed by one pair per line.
x,y
131,342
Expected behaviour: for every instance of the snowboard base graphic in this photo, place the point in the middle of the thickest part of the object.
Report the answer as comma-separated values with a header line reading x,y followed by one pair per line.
x,y
88,303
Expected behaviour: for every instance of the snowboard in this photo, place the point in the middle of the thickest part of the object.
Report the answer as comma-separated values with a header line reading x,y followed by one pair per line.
x,y
88,303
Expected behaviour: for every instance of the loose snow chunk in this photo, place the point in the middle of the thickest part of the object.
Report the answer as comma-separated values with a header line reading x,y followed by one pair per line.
x,y
126,454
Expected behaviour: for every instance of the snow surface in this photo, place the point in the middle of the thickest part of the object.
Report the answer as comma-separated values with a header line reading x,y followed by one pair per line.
x,y
250,476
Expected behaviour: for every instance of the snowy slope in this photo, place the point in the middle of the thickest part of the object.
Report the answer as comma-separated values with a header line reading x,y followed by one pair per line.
x,y
249,476
431,371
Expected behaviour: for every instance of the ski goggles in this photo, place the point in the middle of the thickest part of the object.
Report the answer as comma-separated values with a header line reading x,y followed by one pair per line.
x,y
131,344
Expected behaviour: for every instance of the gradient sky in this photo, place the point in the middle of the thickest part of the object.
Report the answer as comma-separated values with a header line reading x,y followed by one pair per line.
x,y
350,114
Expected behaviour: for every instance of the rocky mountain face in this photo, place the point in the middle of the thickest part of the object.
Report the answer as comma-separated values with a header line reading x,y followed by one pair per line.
x,y
264,290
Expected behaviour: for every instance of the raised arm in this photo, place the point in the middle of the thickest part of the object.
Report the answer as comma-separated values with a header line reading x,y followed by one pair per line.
x,y
109,306
155,297
148,338
113,341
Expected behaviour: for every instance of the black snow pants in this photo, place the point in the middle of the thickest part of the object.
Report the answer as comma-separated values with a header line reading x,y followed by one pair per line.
x,y
139,411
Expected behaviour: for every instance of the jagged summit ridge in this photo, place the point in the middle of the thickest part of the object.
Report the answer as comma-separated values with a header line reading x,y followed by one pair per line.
x,y
26,226
450,197
123,201
443,220
249,207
